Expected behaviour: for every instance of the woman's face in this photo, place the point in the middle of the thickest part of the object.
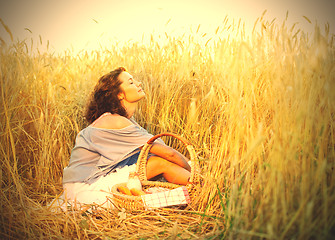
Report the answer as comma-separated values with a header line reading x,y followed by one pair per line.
x,y
131,89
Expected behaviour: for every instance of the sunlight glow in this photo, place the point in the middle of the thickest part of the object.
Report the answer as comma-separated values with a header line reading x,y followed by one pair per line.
x,y
88,25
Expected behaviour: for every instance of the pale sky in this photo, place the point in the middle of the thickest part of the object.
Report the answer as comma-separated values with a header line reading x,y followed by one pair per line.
x,y
84,24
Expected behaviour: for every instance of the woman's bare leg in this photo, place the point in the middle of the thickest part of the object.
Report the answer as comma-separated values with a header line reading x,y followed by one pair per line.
x,y
171,172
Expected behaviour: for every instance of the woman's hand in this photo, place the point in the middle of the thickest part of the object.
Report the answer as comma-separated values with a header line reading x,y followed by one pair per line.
x,y
170,154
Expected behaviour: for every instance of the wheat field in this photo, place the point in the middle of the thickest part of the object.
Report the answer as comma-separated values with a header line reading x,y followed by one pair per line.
x,y
258,109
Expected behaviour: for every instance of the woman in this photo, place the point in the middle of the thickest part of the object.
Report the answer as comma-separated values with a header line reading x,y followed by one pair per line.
x,y
107,150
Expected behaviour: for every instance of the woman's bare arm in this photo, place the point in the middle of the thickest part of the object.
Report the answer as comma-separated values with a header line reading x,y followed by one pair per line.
x,y
170,154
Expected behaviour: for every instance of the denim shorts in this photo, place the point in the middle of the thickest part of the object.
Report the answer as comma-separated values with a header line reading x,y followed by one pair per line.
x,y
128,161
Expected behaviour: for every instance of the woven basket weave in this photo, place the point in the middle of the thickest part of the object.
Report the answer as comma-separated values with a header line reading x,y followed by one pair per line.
x,y
135,202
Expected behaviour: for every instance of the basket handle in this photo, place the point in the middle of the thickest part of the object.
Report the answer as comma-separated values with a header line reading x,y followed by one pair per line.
x,y
142,159
182,139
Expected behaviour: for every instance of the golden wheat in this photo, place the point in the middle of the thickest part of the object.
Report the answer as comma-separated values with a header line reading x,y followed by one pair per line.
x,y
259,110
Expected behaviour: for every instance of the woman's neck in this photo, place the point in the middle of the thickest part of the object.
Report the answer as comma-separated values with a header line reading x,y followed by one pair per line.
x,y
130,108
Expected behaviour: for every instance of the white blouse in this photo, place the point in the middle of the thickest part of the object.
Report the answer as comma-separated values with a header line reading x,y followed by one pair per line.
x,y
98,151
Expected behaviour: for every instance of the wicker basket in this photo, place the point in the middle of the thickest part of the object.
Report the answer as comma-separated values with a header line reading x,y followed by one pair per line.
x,y
121,200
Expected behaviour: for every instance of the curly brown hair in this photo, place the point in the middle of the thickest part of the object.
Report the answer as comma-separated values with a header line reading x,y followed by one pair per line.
x,y
105,96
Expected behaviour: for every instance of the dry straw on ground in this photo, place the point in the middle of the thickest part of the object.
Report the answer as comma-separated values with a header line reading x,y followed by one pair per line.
x,y
259,110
